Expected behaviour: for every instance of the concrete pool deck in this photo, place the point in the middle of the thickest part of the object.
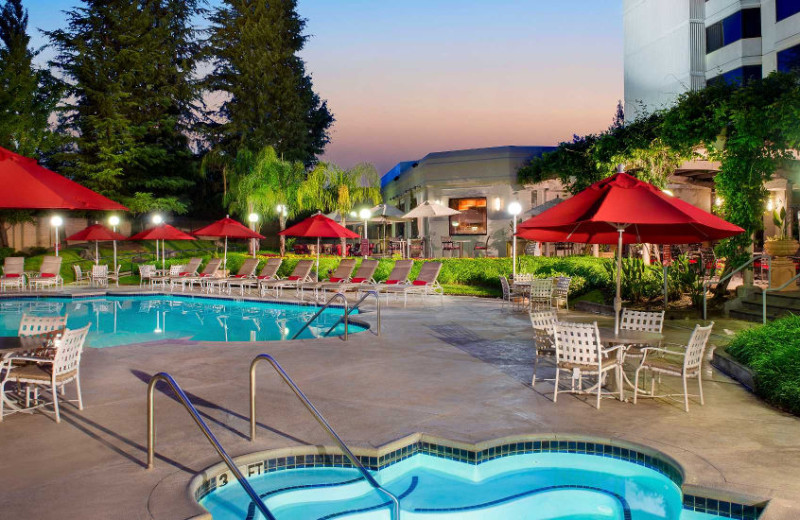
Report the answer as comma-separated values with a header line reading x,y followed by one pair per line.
x,y
459,371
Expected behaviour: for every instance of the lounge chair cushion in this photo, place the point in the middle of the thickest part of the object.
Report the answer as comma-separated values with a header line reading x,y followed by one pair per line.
x,y
358,280
11,275
47,275
38,373
184,273
335,279
265,277
419,282
392,282
293,278
205,275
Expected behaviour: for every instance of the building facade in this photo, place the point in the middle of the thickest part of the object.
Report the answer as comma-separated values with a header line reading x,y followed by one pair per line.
x,y
674,46
480,183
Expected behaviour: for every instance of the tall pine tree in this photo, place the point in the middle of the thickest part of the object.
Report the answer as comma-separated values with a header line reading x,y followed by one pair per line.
x,y
129,67
254,45
28,95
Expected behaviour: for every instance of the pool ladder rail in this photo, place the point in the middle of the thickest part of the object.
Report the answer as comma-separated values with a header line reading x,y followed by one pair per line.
x,y
187,404
320,419
348,310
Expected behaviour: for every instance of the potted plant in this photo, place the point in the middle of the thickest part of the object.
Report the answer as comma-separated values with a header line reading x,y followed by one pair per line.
x,y
781,244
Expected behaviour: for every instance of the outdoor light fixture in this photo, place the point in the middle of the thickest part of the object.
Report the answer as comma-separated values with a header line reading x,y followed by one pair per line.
x,y
157,219
668,192
770,204
354,214
281,209
718,201
365,215
56,222
114,221
514,208
497,203
252,218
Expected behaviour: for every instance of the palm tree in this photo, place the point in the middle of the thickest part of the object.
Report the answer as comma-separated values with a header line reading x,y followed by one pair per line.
x,y
265,184
331,188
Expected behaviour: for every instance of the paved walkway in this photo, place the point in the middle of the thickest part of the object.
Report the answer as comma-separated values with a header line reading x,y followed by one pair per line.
x,y
461,371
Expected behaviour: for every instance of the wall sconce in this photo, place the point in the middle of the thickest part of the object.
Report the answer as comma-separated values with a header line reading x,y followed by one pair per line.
x,y
770,204
498,204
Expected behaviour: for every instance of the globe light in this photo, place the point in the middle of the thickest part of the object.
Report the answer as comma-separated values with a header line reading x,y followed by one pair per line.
x,y
719,201
365,214
353,214
56,221
515,208
668,192
252,217
157,219
113,220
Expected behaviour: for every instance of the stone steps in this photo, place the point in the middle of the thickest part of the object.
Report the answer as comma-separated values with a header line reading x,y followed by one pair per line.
x,y
778,304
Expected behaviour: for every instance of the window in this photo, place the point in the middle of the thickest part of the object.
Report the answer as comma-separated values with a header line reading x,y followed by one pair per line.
x,y
534,198
740,76
786,8
472,219
743,24
789,59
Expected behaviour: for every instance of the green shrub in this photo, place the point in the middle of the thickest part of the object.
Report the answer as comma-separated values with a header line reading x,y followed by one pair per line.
x,y
773,352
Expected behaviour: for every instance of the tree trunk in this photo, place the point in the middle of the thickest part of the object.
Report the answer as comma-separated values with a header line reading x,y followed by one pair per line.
x,y
3,233
343,218
282,222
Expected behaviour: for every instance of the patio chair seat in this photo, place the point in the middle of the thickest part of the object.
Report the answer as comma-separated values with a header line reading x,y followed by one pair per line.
x,y
588,367
667,364
39,373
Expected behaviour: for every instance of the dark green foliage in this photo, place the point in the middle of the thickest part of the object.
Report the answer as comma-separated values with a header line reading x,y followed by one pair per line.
x,y
773,352
254,46
132,97
28,95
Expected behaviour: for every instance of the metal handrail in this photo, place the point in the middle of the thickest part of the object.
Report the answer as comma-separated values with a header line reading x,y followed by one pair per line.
x,y
709,283
355,307
773,289
320,419
327,304
151,436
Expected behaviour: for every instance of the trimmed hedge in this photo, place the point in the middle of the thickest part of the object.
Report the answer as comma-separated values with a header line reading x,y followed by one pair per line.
x,y
772,351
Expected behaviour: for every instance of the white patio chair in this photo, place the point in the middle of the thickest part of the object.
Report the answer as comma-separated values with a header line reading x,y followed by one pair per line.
x,y
684,363
580,353
81,277
31,325
644,321
511,295
561,291
541,293
544,329
99,276
146,274
55,372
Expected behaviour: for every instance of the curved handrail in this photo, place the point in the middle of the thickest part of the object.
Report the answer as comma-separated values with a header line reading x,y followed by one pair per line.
x,y
151,436
709,283
355,307
320,419
327,304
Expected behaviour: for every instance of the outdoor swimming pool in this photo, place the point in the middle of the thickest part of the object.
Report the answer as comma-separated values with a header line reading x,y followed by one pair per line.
x,y
121,320
529,486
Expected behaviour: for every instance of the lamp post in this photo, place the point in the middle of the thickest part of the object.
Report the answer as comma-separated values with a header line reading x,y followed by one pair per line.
x,y
514,209
365,215
114,221
157,220
56,222
253,219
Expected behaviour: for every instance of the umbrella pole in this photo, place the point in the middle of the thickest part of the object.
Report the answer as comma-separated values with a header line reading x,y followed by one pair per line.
x,y
225,255
618,298
156,253
96,252
163,254
317,258
115,258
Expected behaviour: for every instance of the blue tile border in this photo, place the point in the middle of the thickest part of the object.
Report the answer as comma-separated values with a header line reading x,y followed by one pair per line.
x,y
720,508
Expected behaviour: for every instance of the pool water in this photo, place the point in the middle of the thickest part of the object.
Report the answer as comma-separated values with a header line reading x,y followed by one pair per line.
x,y
121,320
540,486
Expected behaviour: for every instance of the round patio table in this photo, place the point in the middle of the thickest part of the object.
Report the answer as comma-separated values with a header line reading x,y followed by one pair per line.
x,y
627,338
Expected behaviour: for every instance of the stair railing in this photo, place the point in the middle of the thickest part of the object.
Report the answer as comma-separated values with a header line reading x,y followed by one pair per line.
x,y
709,283
773,289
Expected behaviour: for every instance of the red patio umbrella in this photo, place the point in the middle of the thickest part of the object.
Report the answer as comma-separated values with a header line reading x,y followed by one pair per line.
x,y
228,228
162,232
319,226
624,210
26,185
98,233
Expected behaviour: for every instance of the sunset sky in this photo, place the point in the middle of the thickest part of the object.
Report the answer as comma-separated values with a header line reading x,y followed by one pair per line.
x,y
408,77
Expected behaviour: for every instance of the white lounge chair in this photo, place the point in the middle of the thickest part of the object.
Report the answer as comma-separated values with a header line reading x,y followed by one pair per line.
x,y
339,276
362,280
398,276
544,332
426,283
580,353
54,372
300,274
13,273
209,272
189,270
49,274
268,273
684,362
247,270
